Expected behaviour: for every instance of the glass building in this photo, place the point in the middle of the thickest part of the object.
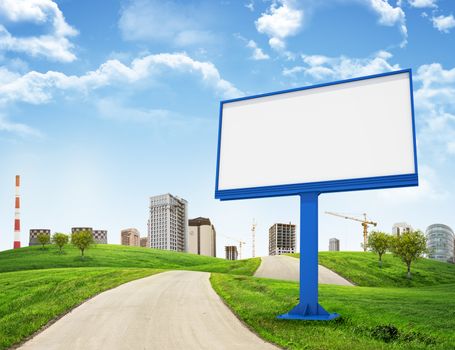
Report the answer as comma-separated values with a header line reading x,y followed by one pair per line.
x,y
440,242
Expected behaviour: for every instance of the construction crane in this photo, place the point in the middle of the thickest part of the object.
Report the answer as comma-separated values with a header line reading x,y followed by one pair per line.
x,y
365,222
253,237
241,243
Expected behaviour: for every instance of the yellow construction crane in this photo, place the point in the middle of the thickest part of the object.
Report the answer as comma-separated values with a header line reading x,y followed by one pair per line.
x,y
365,222
241,243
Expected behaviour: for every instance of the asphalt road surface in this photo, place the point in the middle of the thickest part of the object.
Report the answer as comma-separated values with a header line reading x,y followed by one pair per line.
x,y
170,310
287,268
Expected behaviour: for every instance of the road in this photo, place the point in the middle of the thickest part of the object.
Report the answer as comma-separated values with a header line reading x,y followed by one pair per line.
x,y
287,268
170,310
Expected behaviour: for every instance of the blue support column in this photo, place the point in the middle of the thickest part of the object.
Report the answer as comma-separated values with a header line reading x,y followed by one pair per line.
x,y
308,307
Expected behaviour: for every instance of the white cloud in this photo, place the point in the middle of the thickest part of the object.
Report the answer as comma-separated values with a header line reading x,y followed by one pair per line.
x,y
35,87
250,5
17,128
423,3
320,67
444,23
54,45
435,104
258,54
281,20
390,16
165,21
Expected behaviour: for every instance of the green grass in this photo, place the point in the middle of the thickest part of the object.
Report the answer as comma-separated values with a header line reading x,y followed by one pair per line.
x,y
30,299
106,255
424,317
362,269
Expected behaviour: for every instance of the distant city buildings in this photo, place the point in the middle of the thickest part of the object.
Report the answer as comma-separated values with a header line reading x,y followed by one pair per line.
x,y
400,228
144,242
167,224
201,237
130,236
33,238
334,245
231,252
99,236
440,242
281,239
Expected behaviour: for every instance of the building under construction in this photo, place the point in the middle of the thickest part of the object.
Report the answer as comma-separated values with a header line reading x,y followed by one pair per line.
x,y
281,239
231,252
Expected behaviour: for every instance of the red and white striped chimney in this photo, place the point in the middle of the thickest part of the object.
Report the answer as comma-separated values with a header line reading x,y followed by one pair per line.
x,y
17,219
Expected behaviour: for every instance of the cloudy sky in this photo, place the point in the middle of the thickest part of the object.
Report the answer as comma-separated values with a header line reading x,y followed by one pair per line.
x,y
105,103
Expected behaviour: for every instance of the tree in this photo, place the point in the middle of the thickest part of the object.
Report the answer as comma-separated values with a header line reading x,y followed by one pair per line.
x,y
409,246
379,242
60,239
82,240
43,239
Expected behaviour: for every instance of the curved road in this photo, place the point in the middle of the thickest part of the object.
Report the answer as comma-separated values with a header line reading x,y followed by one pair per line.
x,y
284,267
170,310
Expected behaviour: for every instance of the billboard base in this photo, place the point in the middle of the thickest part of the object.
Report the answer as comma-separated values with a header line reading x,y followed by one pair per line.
x,y
304,312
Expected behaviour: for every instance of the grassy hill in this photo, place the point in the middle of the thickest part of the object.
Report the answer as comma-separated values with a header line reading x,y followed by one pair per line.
x,y
371,318
37,285
362,269
107,255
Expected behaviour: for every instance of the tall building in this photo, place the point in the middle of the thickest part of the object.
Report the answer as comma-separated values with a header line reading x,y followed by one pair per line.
x,y
130,236
281,239
168,223
201,237
231,252
440,242
34,232
334,245
400,228
99,236
144,242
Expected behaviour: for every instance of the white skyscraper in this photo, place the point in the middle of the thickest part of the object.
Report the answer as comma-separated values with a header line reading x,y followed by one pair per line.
x,y
168,223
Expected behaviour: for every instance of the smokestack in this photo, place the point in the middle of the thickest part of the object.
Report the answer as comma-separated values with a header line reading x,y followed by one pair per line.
x,y
17,219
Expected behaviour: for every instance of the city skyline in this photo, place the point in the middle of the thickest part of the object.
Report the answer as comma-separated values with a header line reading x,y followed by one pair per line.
x,y
124,107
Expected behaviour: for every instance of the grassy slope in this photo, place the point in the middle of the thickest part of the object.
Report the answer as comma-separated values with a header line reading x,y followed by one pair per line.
x,y
425,317
30,299
362,269
106,255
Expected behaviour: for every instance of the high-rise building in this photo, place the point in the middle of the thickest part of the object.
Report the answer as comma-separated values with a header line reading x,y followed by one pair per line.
x,y
281,239
99,236
231,252
400,228
440,242
201,237
144,242
334,245
168,223
34,232
130,236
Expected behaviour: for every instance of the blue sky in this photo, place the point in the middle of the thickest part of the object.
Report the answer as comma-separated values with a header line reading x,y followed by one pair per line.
x,y
105,103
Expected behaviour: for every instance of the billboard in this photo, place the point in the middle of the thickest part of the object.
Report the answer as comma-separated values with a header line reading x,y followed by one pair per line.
x,y
348,135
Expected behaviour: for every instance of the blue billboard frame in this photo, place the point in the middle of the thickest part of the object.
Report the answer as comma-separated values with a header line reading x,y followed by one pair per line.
x,y
369,183
308,307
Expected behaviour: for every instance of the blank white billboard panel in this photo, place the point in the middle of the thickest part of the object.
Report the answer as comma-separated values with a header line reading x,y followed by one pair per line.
x,y
349,130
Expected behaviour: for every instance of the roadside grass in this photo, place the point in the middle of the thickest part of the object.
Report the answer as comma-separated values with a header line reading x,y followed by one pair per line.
x,y
362,269
106,255
30,299
423,317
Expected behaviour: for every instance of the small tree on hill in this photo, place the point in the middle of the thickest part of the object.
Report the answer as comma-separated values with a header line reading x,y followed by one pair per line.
x,y
43,239
379,242
82,240
60,239
409,247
